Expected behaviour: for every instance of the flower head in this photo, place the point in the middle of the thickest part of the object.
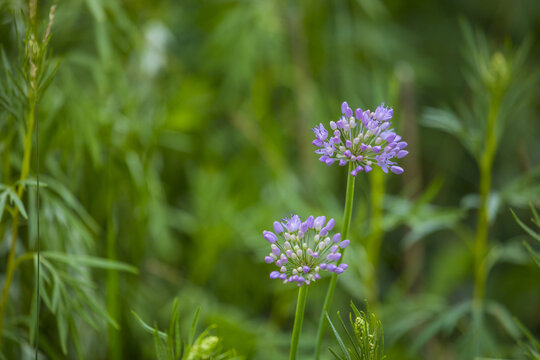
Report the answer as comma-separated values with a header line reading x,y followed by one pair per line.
x,y
363,140
302,250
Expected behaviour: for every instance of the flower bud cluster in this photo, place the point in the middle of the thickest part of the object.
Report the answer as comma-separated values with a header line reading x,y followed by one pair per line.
x,y
302,250
364,140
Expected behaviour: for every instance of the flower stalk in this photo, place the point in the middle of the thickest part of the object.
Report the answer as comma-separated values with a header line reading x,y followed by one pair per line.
x,y
347,213
298,320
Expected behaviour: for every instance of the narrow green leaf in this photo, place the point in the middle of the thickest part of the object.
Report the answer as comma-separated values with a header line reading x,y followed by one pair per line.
x,y
3,197
147,327
525,227
338,338
78,260
15,199
335,355
194,326
62,330
536,217
158,344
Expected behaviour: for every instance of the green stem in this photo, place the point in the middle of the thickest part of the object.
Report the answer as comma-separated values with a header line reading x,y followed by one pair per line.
x,y
298,319
25,168
349,197
373,246
486,165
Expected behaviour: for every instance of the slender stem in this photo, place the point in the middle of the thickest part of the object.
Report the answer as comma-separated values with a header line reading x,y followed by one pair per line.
x,y
486,164
373,247
25,168
349,197
298,319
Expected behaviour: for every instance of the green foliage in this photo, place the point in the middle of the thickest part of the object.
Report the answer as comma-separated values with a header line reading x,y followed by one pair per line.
x,y
367,339
535,235
171,131
172,345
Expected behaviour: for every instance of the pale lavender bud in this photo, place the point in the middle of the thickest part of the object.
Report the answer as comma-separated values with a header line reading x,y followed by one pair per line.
x,y
344,107
396,169
278,228
270,236
268,259
402,153
330,225
344,244
332,267
319,222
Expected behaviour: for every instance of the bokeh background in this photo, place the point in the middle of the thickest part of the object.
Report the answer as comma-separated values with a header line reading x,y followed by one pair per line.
x,y
175,132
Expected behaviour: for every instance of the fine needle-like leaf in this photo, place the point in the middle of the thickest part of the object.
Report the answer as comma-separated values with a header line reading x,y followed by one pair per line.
x,y
194,326
147,327
525,227
338,338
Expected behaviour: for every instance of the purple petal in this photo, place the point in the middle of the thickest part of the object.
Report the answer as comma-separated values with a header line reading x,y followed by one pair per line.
x,y
344,107
330,225
390,138
402,153
322,266
344,244
336,237
278,228
274,274
270,236
319,222
309,221
402,145
268,259
358,114
368,168
342,162
305,269
396,170
348,112
332,267
343,266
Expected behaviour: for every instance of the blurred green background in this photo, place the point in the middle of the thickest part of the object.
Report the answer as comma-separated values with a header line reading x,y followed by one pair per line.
x,y
175,132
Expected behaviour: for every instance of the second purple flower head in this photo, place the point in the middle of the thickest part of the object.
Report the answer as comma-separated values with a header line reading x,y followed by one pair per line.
x,y
364,140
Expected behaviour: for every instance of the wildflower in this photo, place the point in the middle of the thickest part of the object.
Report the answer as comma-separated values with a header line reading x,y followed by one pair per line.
x,y
363,140
305,250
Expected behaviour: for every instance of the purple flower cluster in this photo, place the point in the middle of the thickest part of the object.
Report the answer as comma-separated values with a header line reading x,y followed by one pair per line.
x,y
364,139
307,249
